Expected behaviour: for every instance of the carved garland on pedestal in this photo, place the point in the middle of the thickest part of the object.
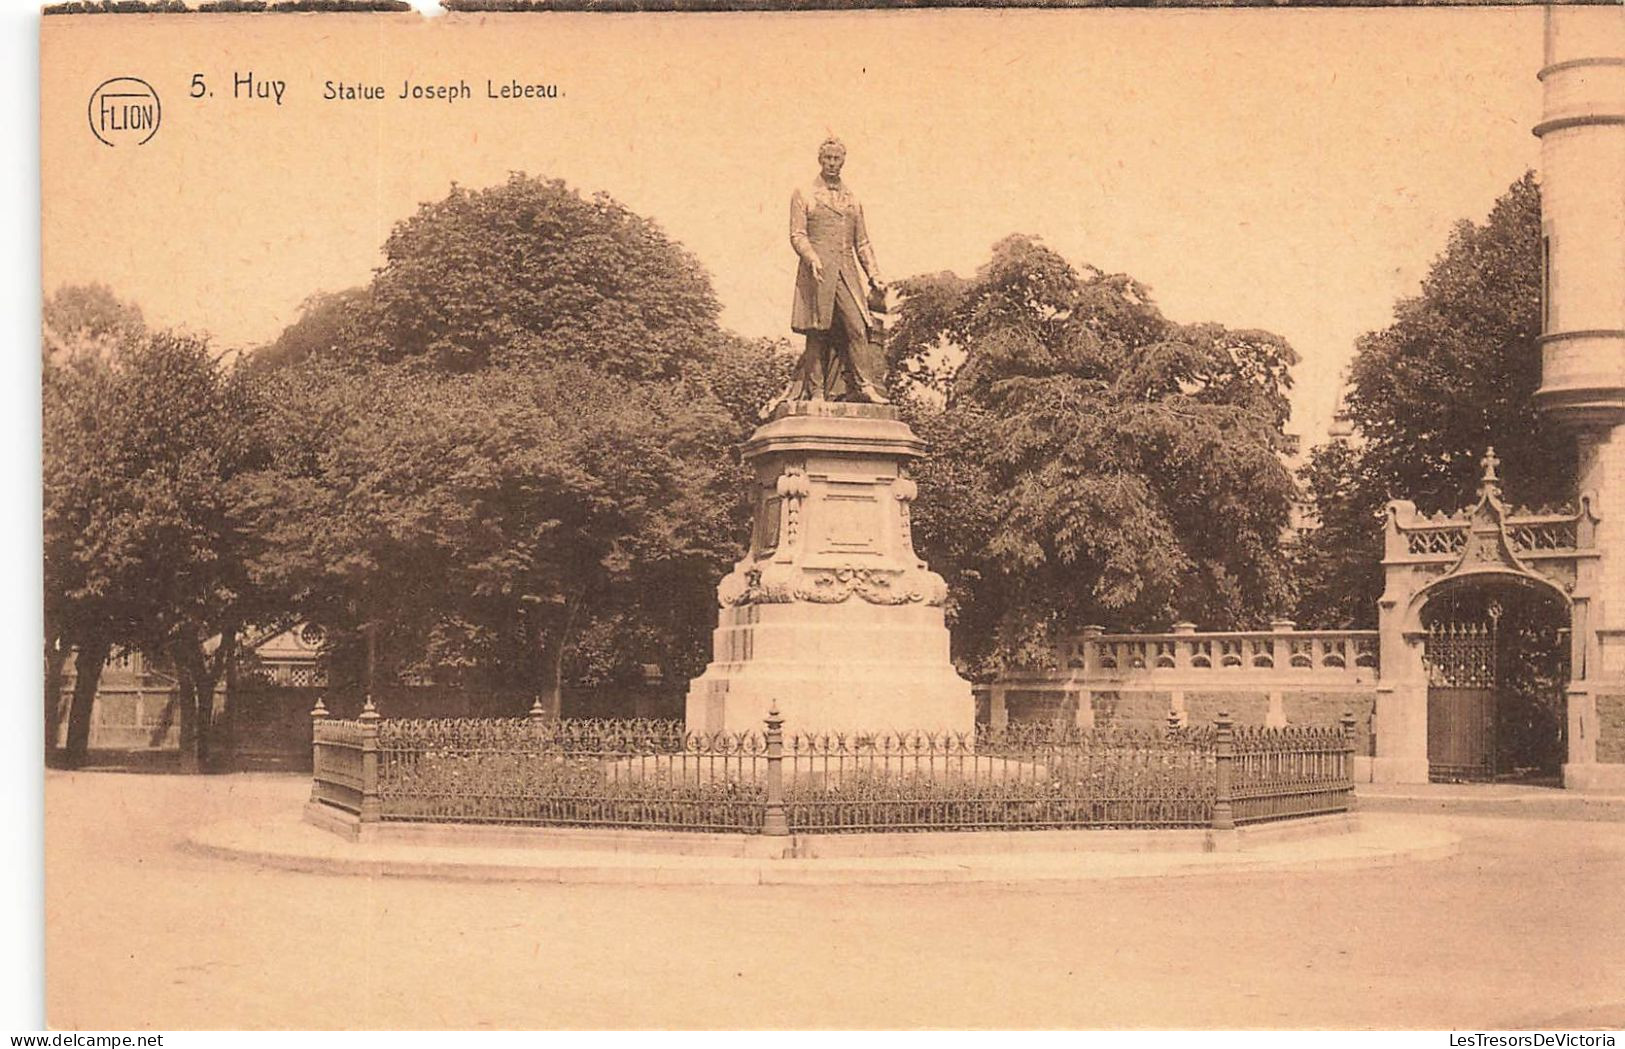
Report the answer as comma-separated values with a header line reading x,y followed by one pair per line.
x,y
778,582
878,586
773,584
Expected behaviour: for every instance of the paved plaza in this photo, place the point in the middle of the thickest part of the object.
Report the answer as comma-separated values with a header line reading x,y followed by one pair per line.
x,y
1522,927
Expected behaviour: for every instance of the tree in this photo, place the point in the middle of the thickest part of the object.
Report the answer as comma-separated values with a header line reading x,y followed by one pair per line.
x,y
1454,373
329,323
1092,461
551,364
531,270
144,542
1337,565
87,320
481,518
84,325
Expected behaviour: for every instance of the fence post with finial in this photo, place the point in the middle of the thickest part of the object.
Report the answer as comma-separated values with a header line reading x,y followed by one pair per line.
x,y
318,716
370,808
1173,722
1224,753
773,818
1348,756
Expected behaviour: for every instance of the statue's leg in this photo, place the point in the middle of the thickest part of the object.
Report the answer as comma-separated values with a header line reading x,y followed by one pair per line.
x,y
810,380
869,370
853,357
850,332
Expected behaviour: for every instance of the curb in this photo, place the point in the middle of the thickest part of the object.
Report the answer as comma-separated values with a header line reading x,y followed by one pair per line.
x,y
1572,806
1571,799
1358,850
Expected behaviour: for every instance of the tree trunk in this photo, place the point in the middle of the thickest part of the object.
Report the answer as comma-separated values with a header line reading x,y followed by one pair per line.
x,y
186,700
218,730
226,738
199,675
87,666
56,659
554,640
203,742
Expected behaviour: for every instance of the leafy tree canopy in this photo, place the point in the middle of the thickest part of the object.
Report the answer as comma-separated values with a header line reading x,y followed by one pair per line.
x,y
1458,368
145,437
460,509
531,270
529,369
139,447
1454,373
330,324
88,320
1092,461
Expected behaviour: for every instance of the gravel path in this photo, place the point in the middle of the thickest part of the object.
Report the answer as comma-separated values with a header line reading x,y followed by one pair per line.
x,y
1524,927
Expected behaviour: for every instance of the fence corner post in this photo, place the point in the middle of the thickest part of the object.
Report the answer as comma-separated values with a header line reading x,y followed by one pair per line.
x,y
1348,754
773,818
370,808
1224,751
318,715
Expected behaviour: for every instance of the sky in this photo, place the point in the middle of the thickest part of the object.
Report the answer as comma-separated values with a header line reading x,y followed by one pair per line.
x,y
1292,170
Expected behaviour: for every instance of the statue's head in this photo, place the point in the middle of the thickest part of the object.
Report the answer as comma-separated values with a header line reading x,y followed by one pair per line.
x,y
831,156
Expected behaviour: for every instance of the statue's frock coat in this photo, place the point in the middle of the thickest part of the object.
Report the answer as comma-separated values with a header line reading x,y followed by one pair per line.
x,y
828,224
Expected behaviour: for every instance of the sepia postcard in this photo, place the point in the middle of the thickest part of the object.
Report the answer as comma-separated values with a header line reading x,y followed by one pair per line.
x,y
911,519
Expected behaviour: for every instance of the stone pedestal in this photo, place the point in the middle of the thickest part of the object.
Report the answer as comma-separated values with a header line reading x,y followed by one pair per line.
x,y
831,614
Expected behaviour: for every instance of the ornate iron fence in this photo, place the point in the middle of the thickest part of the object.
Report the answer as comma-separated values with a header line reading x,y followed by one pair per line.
x,y
1026,777
1287,772
592,773
338,778
652,774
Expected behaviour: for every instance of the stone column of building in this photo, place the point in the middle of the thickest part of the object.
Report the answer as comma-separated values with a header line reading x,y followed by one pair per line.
x,y
1582,135
1399,723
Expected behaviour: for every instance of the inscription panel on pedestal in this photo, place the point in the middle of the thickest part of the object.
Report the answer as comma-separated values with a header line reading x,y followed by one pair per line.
x,y
852,519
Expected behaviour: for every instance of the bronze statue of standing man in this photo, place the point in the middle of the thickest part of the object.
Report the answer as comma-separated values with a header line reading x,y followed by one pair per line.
x,y
835,285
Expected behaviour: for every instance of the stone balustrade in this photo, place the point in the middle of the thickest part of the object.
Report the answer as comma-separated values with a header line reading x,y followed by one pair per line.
x,y
1276,678
1093,655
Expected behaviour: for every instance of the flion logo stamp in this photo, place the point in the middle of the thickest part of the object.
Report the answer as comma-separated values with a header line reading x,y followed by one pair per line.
x,y
124,111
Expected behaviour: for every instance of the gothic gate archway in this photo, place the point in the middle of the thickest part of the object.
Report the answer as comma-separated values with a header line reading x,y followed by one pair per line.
x,y
1477,625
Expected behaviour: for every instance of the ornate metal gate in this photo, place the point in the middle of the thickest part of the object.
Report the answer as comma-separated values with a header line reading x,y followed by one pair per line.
x,y
1461,668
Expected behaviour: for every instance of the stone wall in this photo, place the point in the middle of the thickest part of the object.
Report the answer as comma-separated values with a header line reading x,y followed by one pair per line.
x,y
1328,708
1130,710
126,719
1244,708
272,722
1611,729
1147,708
1027,705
